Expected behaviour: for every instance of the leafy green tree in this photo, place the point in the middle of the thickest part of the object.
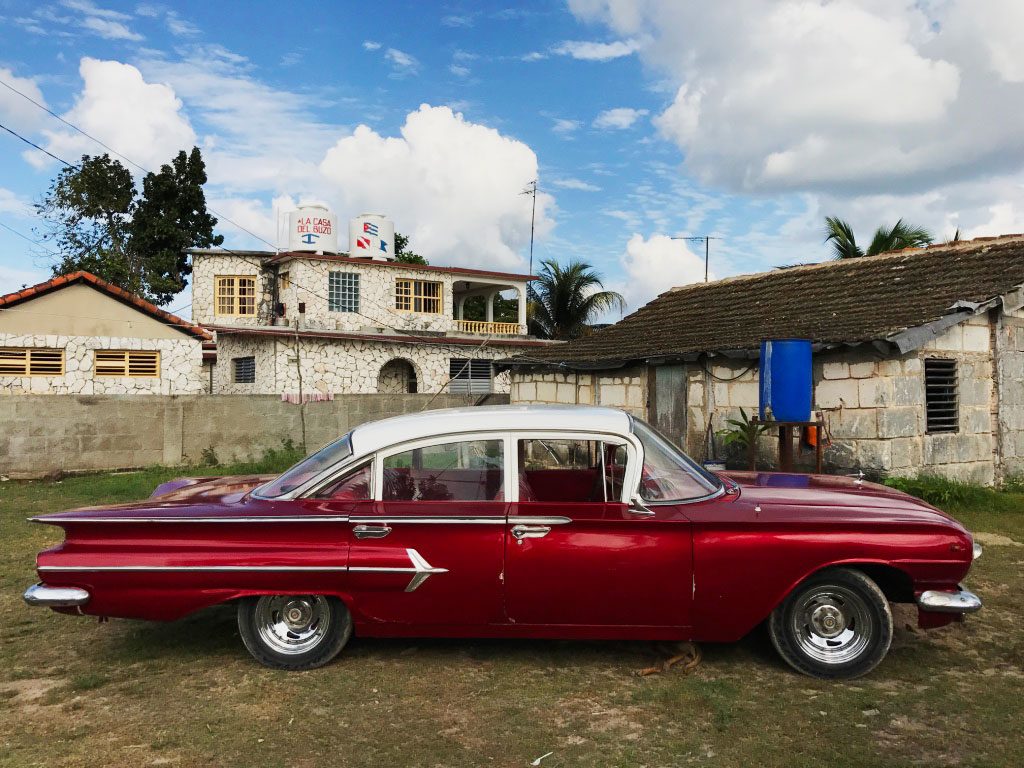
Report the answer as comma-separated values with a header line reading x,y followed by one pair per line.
x,y
170,217
99,223
563,300
403,254
900,235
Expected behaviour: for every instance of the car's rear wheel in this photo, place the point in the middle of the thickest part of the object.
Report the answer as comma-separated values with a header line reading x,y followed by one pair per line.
x,y
294,631
836,624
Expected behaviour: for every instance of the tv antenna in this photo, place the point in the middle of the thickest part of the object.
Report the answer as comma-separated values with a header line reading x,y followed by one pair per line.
x,y
531,190
707,248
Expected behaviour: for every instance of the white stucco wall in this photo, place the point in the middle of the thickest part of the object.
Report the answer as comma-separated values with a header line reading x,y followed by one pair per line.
x,y
180,367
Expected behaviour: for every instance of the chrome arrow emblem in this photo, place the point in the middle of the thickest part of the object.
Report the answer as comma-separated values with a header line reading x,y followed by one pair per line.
x,y
421,569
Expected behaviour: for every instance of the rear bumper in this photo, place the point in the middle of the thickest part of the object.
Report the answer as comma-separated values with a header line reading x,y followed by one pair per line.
x,y
55,597
959,601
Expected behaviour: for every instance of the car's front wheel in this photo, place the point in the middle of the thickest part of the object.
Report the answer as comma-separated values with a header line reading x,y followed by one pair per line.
x,y
836,624
294,631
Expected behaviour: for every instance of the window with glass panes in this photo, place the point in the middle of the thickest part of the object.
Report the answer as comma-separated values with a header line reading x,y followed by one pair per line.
x,y
235,295
343,292
418,296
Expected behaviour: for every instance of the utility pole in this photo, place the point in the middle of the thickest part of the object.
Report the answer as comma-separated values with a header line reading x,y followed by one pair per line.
x,y
531,189
707,249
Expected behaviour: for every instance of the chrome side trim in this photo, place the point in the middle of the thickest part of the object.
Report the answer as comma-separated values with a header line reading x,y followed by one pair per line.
x,y
961,601
421,570
46,520
429,519
538,520
197,568
55,597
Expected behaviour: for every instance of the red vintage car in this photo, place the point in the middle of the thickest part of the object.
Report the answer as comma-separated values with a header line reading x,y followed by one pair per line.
x,y
539,521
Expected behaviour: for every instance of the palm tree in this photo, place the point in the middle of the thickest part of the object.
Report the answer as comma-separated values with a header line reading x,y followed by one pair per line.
x,y
564,299
900,235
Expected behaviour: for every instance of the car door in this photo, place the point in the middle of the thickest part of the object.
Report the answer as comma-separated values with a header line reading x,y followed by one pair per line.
x,y
430,552
576,553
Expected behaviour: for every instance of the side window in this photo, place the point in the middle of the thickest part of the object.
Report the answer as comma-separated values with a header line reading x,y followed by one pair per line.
x,y
558,470
354,485
472,470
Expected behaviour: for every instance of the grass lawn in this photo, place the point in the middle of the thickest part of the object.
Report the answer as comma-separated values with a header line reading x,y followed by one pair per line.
x,y
77,693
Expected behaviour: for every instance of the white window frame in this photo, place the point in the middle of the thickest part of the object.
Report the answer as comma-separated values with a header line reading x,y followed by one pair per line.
x,y
634,457
507,475
344,292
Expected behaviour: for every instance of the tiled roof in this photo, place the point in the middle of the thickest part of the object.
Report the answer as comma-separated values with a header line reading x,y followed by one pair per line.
x,y
394,338
838,302
62,281
277,258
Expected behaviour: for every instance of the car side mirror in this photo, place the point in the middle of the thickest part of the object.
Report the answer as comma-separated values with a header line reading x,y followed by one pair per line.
x,y
637,507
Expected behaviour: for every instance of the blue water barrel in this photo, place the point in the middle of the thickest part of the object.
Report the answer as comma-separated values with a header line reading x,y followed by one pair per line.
x,y
786,386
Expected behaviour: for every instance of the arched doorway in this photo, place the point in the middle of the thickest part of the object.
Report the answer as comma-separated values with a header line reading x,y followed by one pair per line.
x,y
397,377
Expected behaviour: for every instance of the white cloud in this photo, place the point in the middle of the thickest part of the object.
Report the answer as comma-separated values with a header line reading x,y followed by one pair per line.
x,y
371,45
533,56
456,20
453,186
839,95
255,137
653,266
179,26
587,50
111,30
15,111
563,126
11,202
91,9
618,118
458,70
578,184
402,62
143,120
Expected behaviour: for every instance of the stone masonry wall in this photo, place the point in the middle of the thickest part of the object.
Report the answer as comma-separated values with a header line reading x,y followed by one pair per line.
x,y
1010,377
180,367
333,366
205,269
46,433
625,389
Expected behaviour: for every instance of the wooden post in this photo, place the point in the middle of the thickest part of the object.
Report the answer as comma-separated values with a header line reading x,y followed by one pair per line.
x,y
786,448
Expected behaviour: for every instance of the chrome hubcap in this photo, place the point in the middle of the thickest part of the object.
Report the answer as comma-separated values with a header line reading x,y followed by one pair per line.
x,y
832,625
292,624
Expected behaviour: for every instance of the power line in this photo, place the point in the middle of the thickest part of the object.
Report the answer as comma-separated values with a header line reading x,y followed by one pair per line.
x,y
531,189
29,239
33,144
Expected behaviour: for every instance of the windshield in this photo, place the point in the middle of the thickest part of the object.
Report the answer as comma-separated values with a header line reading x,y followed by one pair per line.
x,y
308,468
668,473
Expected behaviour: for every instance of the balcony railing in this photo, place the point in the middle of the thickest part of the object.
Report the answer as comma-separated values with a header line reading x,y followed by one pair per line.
x,y
482,326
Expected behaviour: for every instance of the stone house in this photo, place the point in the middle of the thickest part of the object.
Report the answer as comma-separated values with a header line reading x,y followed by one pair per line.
x,y
321,324
918,358
77,334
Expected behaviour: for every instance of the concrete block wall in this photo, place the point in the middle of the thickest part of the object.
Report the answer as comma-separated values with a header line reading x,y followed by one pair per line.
x,y
625,389
1009,341
46,433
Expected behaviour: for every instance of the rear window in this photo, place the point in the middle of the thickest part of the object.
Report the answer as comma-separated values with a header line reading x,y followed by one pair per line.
x,y
308,468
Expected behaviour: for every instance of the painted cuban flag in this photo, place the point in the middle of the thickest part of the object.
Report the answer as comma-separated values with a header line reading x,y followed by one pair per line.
x,y
369,228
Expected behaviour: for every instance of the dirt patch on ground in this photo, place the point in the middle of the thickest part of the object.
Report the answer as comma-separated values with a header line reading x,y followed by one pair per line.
x,y
995,540
29,690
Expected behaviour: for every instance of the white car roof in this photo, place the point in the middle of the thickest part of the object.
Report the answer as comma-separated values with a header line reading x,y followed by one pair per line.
x,y
375,435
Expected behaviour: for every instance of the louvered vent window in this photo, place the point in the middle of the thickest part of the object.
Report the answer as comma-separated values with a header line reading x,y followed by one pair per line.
x,y
469,376
31,361
942,405
134,363
245,370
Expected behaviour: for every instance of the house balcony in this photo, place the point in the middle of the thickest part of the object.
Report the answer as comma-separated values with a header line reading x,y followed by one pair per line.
x,y
489,328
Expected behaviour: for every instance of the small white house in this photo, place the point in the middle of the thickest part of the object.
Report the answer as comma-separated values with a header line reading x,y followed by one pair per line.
x,y
78,334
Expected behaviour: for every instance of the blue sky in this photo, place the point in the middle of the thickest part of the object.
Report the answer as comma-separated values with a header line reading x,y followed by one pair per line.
x,y
746,120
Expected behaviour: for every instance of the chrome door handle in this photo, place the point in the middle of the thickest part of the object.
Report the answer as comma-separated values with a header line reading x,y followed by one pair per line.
x,y
371,531
530,531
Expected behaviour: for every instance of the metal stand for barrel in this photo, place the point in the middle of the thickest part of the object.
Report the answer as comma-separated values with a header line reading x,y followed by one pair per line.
x,y
786,442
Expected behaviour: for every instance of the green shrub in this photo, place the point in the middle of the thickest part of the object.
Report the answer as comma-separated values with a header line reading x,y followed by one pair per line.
x,y
943,492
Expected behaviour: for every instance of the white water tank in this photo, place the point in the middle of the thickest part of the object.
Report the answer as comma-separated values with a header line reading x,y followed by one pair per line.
x,y
313,228
371,235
